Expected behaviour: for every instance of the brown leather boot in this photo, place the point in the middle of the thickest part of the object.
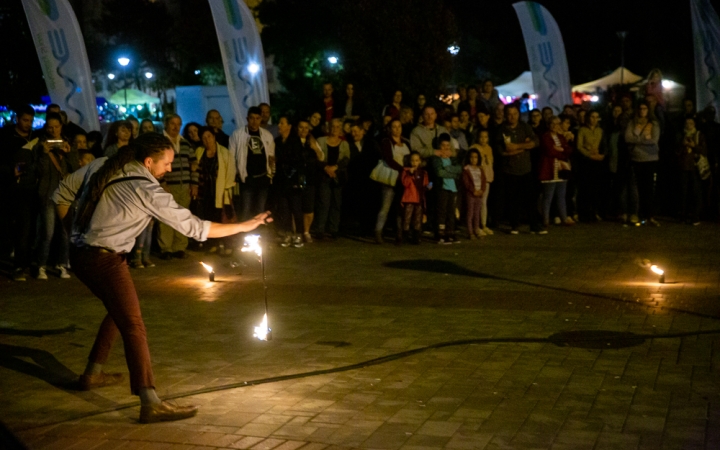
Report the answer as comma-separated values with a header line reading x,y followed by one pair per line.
x,y
99,380
165,412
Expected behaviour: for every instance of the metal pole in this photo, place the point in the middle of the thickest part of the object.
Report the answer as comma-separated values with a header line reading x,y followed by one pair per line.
x,y
125,83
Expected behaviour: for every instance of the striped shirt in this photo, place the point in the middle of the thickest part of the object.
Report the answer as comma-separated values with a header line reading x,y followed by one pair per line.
x,y
183,162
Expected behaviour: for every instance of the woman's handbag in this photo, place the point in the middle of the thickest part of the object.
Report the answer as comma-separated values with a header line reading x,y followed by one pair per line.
x,y
703,167
384,174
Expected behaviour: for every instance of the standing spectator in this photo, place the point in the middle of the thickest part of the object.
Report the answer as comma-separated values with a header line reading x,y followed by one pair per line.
x,y
642,136
333,176
475,183
312,155
537,123
253,148
489,96
191,133
393,108
360,193
554,165
135,125
265,118
330,107
590,146
462,96
617,162
415,182
420,104
407,120
17,181
315,121
467,126
447,169
53,164
566,128
498,114
290,181
119,135
458,134
519,140
690,148
472,103
147,126
214,120
95,140
654,87
394,150
352,107
424,137
486,163
215,178
177,182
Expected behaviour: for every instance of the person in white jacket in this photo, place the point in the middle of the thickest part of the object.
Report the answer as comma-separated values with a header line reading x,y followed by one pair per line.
x,y
253,148
215,177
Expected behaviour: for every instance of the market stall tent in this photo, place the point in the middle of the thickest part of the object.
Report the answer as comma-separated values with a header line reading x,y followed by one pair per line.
x,y
609,80
134,97
517,87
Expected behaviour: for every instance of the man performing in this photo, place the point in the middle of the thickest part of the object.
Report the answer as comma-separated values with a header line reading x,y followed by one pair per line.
x,y
118,198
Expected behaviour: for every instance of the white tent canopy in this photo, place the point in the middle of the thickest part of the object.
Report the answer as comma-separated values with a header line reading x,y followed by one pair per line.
x,y
609,80
517,87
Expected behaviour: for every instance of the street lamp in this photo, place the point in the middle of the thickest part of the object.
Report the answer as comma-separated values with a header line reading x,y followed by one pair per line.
x,y
333,59
253,68
148,75
124,62
111,76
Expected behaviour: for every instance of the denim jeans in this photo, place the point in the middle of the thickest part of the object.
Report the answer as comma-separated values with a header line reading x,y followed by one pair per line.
x,y
387,194
254,199
328,208
555,190
50,226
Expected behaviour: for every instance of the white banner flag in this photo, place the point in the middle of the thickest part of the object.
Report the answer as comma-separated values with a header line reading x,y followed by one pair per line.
x,y
242,55
546,53
706,38
61,49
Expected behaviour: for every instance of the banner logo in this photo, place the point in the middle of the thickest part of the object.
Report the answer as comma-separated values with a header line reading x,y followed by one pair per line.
x,y
50,9
233,14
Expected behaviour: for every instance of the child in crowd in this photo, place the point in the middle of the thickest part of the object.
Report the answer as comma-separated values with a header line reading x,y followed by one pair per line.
x,y
473,179
415,181
486,163
446,170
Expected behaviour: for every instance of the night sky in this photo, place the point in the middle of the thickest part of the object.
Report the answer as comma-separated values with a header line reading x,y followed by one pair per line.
x,y
659,35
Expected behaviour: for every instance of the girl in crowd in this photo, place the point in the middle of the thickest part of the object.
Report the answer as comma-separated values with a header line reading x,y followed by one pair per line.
x,y
486,163
415,181
475,184
554,157
394,151
119,135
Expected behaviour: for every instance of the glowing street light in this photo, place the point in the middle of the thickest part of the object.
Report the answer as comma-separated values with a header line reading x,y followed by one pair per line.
x,y
124,61
454,49
148,75
111,76
197,71
253,68
333,59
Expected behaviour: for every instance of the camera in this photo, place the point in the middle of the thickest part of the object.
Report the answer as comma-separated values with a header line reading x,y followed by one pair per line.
x,y
55,143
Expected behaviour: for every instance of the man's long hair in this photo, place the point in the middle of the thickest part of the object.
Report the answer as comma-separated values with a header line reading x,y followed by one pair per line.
x,y
148,145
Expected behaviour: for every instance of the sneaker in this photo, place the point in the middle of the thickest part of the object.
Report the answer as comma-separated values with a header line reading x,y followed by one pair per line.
x,y
308,238
557,221
696,223
487,231
63,272
480,233
19,275
569,222
472,237
286,242
514,231
542,231
297,242
148,263
634,219
137,264
42,275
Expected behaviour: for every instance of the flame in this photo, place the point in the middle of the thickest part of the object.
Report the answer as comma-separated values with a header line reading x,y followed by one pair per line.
x,y
252,244
261,331
207,267
657,270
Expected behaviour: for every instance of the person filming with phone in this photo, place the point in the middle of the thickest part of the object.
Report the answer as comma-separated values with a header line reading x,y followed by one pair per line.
x,y
53,163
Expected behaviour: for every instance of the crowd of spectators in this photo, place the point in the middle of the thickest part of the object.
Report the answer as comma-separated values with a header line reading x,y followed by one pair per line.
x,y
420,174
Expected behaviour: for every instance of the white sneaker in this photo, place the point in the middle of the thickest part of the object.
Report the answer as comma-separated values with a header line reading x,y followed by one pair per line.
x,y
63,272
556,221
41,274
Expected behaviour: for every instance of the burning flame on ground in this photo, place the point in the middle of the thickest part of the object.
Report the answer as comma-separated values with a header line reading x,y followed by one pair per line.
x,y
252,244
261,331
207,267
657,270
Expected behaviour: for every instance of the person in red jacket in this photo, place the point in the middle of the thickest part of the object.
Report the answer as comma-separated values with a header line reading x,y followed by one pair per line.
x,y
415,181
554,167
475,183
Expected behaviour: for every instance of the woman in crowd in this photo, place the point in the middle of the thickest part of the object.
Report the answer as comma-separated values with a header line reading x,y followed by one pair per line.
x,y
393,108
314,120
690,149
394,151
654,87
642,136
290,181
52,164
147,126
215,177
351,103
420,103
489,96
119,135
554,157
333,175
591,154
191,133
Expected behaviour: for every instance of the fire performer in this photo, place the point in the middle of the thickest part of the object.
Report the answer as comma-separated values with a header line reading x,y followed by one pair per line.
x,y
118,196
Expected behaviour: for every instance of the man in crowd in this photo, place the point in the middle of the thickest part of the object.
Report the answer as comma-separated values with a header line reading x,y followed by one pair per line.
x,y
214,120
265,116
120,196
329,107
361,192
177,182
17,181
423,138
407,120
517,141
254,151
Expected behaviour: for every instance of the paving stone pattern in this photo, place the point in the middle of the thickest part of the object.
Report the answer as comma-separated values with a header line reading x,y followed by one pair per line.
x,y
508,378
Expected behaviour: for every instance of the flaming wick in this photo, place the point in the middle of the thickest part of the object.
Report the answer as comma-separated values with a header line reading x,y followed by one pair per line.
x,y
211,272
252,244
658,271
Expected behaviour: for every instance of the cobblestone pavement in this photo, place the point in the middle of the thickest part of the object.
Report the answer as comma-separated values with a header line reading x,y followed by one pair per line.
x,y
562,341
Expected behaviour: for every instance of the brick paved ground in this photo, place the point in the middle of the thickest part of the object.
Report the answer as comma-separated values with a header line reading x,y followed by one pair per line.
x,y
516,379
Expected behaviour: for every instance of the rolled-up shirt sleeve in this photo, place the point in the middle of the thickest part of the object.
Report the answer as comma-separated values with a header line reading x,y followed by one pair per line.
x,y
67,190
160,204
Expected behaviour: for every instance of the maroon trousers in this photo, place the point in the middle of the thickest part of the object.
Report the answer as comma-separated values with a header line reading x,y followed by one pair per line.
x,y
108,277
